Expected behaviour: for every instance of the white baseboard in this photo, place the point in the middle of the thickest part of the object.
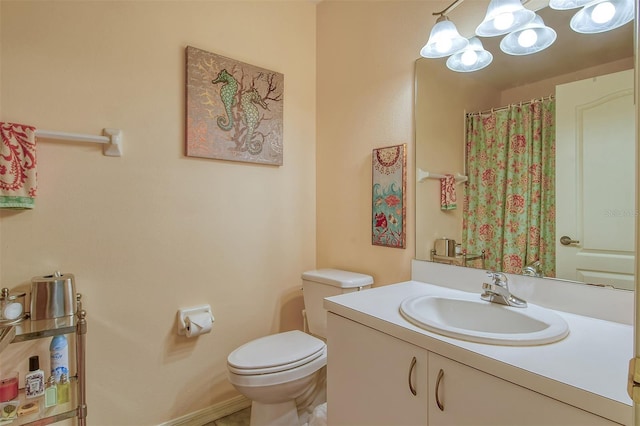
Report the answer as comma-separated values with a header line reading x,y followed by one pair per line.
x,y
211,413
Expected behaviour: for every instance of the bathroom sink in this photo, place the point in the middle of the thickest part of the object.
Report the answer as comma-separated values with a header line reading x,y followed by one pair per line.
x,y
480,321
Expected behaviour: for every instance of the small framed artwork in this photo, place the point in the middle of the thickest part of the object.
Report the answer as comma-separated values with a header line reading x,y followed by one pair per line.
x,y
234,110
389,180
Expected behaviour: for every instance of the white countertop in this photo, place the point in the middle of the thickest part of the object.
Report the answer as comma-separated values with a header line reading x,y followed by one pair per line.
x,y
588,369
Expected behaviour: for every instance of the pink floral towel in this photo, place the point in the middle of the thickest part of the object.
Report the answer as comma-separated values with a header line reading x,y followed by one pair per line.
x,y
18,184
448,192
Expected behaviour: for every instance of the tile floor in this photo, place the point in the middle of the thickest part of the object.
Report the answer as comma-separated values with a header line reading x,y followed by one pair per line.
x,y
240,418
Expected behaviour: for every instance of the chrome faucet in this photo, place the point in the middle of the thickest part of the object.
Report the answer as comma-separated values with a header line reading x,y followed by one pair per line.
x,y
533,269
498,291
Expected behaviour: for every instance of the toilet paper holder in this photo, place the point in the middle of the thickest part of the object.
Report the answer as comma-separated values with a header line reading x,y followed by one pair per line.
x,y
184,313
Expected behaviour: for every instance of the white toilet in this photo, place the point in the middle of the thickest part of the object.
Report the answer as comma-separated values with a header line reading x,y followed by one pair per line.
x,y
283,373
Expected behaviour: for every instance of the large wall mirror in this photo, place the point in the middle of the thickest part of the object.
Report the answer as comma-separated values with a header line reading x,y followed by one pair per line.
x,y
598,206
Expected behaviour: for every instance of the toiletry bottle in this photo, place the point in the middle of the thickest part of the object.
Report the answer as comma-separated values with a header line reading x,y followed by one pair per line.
x,y
34,379
59,354
51,393
63,389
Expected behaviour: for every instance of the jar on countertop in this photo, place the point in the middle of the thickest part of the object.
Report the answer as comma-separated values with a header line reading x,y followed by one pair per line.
x,y
11,307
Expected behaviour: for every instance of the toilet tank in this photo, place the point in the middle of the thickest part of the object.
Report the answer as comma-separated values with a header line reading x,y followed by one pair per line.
x,y
321,283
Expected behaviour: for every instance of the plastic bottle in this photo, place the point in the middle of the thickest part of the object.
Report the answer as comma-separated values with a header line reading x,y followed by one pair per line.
x,y
34,379
63,389
50,393
59,353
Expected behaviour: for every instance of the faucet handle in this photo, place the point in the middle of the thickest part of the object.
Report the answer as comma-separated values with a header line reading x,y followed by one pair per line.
x,y
493,275
498,278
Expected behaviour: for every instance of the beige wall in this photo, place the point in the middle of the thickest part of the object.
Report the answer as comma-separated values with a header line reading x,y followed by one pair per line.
x,y
154,231
366,54
443,97
548,87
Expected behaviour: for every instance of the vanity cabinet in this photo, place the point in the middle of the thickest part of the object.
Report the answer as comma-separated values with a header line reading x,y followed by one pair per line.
x,y
376,379
75,327
373,378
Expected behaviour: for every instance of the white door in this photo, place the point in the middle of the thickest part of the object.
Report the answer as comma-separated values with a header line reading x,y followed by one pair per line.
x,y
595,180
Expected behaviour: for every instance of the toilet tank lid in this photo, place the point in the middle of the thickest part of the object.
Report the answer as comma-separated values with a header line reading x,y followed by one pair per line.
x,y
338,278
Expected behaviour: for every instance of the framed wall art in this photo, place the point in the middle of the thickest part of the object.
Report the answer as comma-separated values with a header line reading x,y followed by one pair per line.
x,y
389,170
234,110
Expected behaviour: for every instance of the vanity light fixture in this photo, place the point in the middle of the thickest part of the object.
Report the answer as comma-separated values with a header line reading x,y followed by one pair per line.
x,y
472,58
567,4
602,15
504,16
526,31
443,40
531,38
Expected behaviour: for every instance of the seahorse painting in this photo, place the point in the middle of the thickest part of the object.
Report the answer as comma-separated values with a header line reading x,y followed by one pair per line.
x,y
251,117
234,109
228,93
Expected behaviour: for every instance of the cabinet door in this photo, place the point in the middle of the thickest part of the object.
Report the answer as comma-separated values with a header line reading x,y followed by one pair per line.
x,y
372,377
461,395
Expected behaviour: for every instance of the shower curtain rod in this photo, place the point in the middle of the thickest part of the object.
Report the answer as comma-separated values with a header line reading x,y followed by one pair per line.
x,y
486,111
112,139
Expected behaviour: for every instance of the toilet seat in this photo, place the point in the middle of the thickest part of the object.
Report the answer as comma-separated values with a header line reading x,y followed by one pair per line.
x,y
289,376
275,353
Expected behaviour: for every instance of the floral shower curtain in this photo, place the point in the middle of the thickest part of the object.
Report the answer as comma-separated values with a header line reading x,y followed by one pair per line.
x,y
510,196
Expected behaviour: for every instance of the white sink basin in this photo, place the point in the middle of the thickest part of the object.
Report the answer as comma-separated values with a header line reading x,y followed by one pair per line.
x,y
479,321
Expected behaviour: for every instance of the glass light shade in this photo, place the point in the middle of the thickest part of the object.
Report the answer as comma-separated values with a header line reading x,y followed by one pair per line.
x,y
504,16
444,40
603,15
567,4
471,58
531,38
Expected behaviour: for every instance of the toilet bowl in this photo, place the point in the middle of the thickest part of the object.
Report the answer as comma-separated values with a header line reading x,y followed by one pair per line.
x,y
274,371
283,374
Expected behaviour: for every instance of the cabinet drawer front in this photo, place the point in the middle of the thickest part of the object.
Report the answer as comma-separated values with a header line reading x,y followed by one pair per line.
x,y
471,397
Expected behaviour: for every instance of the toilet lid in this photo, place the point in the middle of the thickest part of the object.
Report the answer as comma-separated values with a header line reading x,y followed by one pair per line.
x,y
275,353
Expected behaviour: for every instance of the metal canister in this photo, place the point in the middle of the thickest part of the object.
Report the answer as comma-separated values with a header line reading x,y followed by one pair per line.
x,y
445,247
53,296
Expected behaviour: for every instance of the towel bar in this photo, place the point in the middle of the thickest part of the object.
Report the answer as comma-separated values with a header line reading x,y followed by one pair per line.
x,y
422,176
112,140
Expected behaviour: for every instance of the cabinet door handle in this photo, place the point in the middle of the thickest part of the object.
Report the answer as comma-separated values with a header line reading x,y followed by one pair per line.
x,y
411,367
439,403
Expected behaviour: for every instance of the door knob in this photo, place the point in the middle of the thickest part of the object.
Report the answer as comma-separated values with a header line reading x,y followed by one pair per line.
x,y
565,241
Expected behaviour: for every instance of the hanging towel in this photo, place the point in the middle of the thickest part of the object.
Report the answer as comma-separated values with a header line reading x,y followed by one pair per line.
x,y
448,192
18,184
